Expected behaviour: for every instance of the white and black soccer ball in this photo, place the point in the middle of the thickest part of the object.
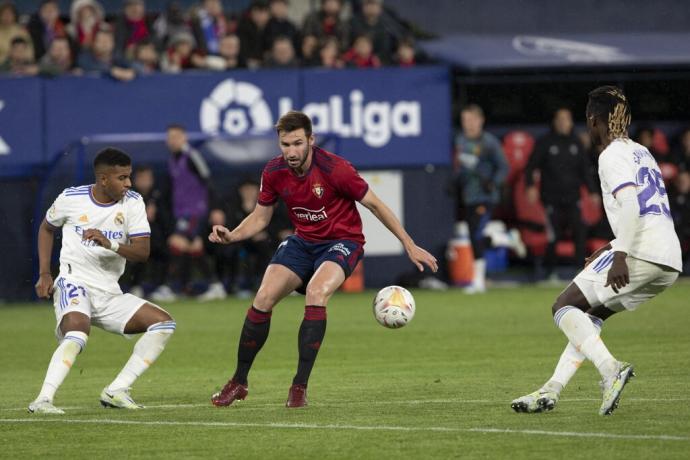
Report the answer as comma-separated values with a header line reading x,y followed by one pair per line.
x,y
394,307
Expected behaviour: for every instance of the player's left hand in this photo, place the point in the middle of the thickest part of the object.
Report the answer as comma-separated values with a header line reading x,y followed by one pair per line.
x,y
95,235
618,276
420,256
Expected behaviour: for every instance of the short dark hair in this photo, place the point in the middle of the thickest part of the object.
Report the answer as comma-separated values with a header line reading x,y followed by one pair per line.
x,y
609,104
111,156
473,108
177,126
292,121
143,167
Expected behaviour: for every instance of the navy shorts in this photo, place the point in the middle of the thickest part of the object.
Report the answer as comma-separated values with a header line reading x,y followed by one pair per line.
x,y
304,257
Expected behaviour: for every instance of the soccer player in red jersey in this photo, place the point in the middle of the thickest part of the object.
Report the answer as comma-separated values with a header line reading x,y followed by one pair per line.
x,y
320,190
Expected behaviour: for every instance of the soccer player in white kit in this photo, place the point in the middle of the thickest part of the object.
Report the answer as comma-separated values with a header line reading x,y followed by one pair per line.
x,y
102,225
641,262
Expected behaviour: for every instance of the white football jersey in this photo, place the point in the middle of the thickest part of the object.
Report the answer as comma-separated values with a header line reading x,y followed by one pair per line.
x,y
624,163
75,210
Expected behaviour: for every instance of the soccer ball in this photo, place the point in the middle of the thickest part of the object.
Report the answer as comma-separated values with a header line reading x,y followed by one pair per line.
x,y
394,307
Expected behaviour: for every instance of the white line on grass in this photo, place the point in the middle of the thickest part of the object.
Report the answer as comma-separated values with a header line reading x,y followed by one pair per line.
x,y
257,404
314,426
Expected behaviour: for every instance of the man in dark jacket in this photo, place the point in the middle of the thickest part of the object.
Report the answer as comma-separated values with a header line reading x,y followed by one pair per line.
x,y
562,162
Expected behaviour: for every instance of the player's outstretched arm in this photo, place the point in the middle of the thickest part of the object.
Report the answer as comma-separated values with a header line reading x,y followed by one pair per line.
x,y
44,285
254,223
137,250
417,255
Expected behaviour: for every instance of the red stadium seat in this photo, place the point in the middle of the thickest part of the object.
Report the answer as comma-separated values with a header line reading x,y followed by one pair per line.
x,y
591,212
659,142
518,146
531,217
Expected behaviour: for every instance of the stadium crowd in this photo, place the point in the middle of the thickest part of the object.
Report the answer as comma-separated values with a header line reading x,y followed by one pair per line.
x,y
339,34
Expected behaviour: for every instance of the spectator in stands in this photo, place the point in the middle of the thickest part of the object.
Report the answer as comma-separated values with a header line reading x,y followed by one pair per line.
x,y
10,29
564,168
309,51
19,61
100,57
361,55
86,17
145,58
252,33
282,55
229,55
681,154
329,54
169,23
405,55
180,54
209,25
154,271
645,136
327,22
44,26
192,193
370,22
58,60
131,28
480,170
280,24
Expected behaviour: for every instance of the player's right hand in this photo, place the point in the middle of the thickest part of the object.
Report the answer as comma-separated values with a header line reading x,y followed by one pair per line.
x,y
44,286
219,234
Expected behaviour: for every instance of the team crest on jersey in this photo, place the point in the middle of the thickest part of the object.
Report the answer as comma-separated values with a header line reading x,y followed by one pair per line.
x,y
119,218
84,218
318,190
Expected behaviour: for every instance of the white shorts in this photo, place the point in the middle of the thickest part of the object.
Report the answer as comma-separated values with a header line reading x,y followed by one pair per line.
x,y
110,312
647,280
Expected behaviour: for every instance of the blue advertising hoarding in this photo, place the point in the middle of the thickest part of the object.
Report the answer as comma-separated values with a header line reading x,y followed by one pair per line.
x,y
383,117
21,125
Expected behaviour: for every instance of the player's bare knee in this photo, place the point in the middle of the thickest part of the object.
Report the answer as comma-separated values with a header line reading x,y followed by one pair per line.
x,y
264,301
75,322
317,294
178,243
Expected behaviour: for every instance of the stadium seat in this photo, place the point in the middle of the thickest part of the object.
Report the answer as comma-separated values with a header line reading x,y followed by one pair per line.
x,y
531,219
518,146
660,142
591,212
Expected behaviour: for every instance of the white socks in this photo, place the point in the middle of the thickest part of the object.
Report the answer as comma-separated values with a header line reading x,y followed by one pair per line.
x,y
61,362
569,362
146,350
584,336
479,279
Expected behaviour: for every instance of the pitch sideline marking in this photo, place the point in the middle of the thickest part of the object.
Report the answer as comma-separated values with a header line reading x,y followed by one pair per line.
x,y
351,427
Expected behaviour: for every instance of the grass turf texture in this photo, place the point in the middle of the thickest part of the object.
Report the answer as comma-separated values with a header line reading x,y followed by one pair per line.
x,y
439,388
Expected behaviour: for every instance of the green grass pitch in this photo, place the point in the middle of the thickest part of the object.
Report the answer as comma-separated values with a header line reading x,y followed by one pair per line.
x,y
439,388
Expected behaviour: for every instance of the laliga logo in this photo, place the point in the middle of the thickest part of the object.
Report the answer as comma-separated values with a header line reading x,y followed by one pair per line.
x,y
570,50
217,109
375,121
